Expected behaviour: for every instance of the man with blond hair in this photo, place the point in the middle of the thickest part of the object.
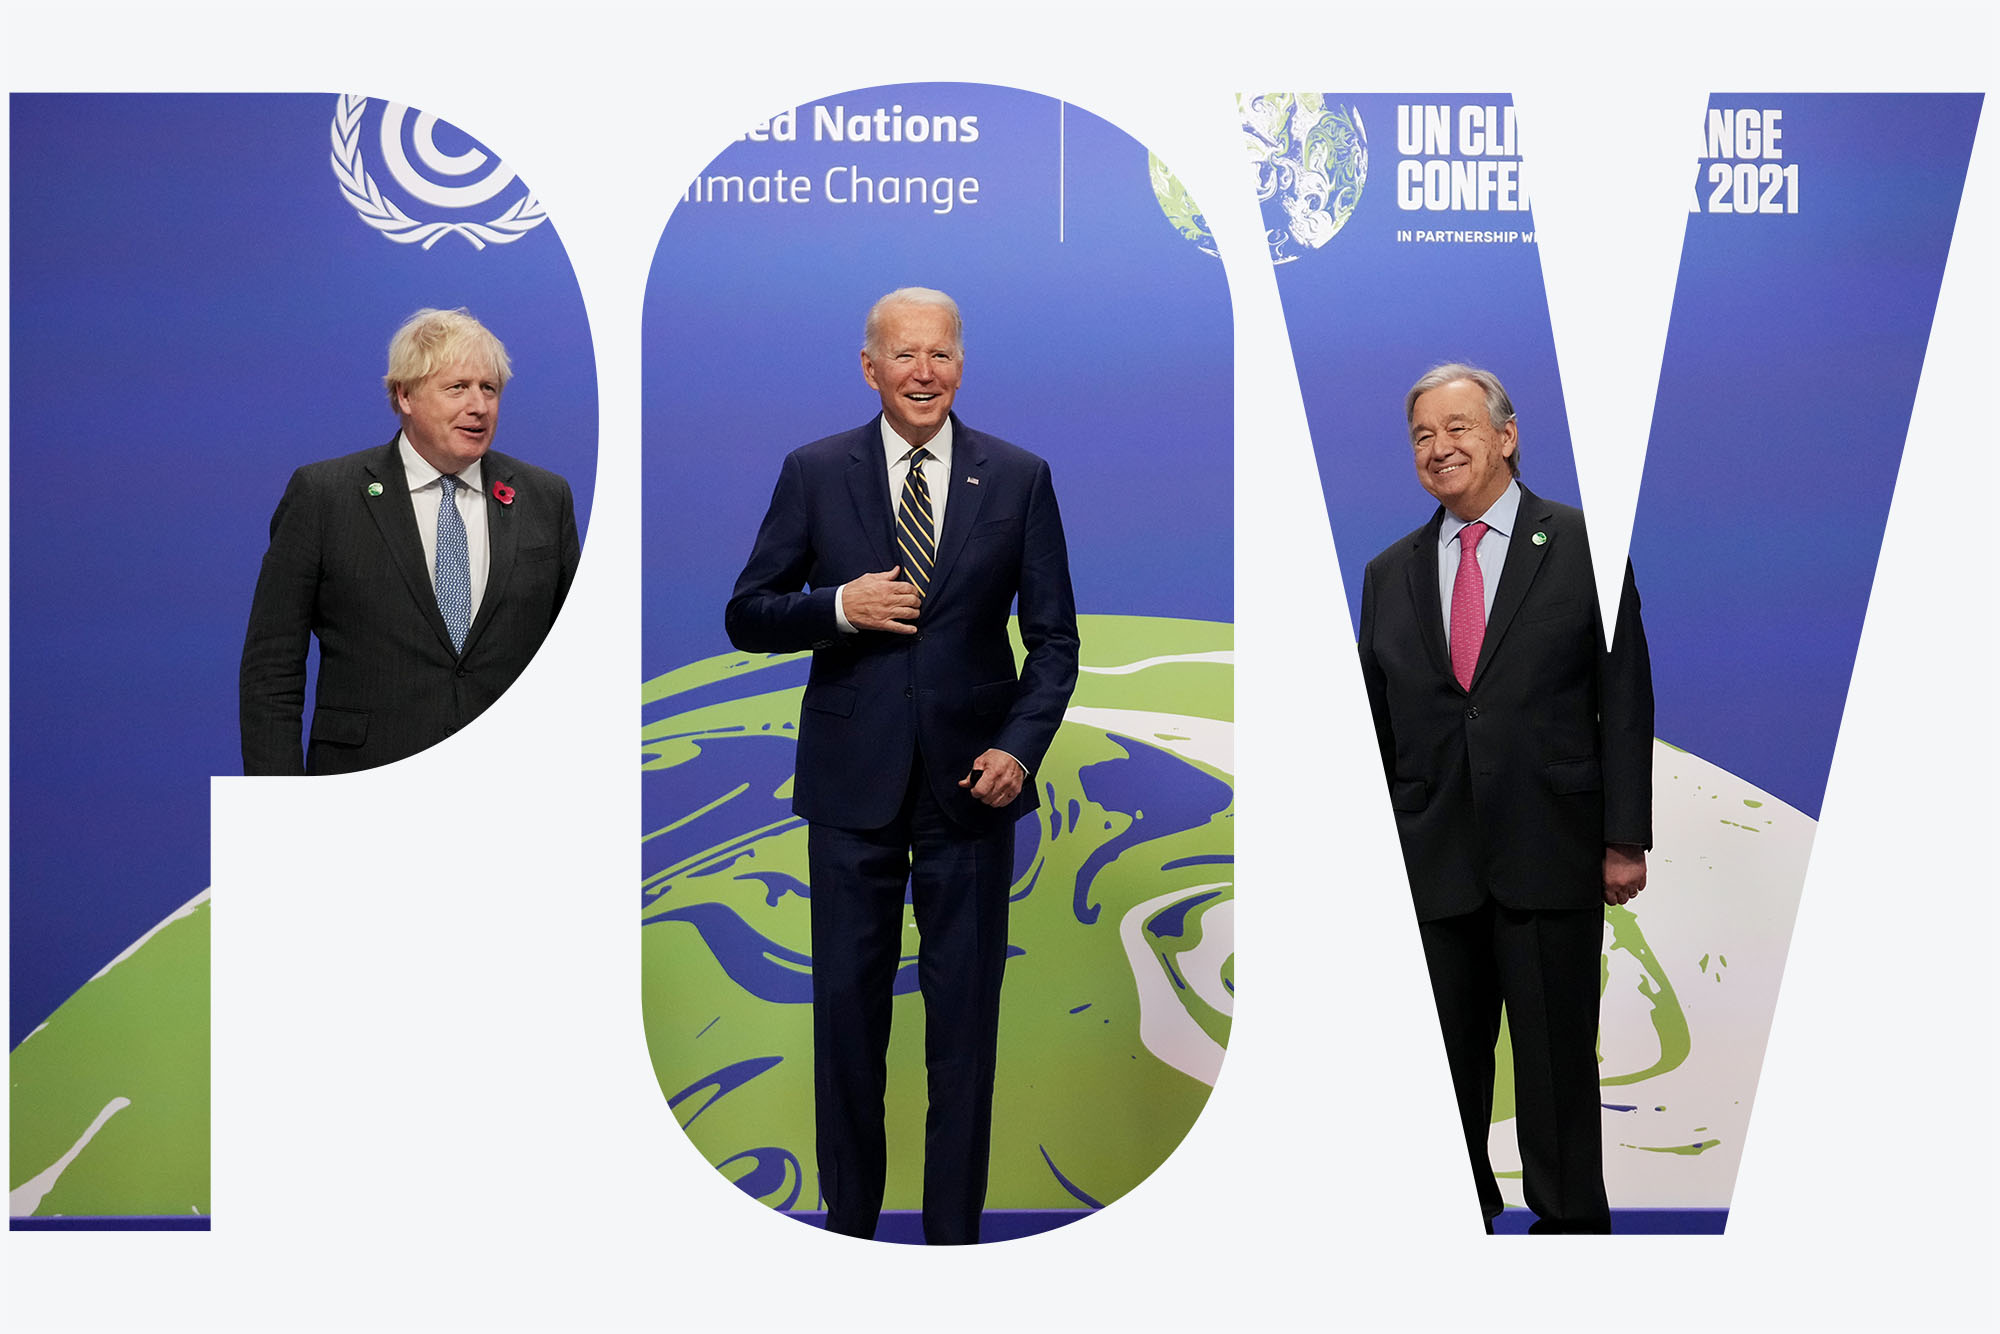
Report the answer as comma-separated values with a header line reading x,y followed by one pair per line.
x,y
429,569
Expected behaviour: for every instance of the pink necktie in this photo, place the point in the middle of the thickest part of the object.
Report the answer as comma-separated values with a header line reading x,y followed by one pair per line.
x,y
1468,605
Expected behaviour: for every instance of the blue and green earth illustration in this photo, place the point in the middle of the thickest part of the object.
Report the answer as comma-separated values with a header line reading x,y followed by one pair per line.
x,y
109,1098
1120,982
1121,968
1312,164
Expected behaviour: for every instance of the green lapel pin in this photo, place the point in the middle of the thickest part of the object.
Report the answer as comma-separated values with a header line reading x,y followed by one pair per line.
x,y
1540,539
375,489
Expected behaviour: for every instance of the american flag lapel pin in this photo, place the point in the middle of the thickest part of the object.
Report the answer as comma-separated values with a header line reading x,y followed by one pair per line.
x,y
972,481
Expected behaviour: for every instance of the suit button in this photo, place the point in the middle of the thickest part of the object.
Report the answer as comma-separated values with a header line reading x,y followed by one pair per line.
x,y
1472,712
909,692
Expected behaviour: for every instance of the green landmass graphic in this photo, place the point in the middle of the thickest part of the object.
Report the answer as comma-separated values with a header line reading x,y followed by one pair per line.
x,y
1078,1090
139,1032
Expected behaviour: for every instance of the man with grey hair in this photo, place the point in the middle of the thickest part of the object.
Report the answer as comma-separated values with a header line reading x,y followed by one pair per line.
x,y
894,552
429,569
1518,750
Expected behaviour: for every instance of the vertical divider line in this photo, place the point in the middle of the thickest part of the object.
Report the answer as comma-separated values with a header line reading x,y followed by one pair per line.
x,y
1062,169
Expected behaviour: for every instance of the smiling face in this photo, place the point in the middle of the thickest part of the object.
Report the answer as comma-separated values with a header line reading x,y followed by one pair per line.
x,y
450,416
914,364
1461,459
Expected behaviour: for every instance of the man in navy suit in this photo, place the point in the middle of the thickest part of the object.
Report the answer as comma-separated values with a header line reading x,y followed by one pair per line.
x,y
430,570
894,552
1519,755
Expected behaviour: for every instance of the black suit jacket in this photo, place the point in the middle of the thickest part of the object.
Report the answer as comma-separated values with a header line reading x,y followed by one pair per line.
x,y
1514,787
348,567
950,692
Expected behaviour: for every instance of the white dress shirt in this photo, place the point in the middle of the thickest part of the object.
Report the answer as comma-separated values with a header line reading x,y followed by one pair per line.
x,y
896,453
1499,519
471,501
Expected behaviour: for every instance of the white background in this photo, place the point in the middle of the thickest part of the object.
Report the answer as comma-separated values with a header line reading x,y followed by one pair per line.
x,y
433,1104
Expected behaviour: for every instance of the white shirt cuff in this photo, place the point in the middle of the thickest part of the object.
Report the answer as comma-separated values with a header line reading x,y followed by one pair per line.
x,y
840,613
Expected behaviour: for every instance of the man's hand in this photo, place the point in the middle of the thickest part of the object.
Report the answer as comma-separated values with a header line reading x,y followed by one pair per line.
x,y
881,601
1624,872
1000,778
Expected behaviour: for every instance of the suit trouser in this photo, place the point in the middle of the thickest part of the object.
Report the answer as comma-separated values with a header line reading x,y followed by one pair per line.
x,y
958,880
1543,966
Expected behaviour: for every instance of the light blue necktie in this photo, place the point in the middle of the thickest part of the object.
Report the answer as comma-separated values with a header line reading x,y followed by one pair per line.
x,y
454,568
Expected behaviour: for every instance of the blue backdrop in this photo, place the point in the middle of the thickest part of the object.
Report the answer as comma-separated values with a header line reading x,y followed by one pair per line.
x,y
1790,371
1814,251
197,310
1785,395
1098,335
1095,333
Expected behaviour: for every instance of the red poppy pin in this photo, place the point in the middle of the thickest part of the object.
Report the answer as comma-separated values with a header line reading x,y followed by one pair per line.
x,y
503,493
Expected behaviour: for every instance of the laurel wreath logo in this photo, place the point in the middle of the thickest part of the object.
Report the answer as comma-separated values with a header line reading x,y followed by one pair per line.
x,y
382,213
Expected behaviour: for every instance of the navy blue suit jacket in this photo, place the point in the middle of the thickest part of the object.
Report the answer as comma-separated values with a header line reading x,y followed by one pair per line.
x,y
949,692
1514,787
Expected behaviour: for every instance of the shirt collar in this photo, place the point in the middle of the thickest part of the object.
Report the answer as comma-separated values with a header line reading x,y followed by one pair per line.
x,y
419,474
897,448
1500,517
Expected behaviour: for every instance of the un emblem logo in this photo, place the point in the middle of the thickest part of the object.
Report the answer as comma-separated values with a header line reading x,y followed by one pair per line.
x,y
450,174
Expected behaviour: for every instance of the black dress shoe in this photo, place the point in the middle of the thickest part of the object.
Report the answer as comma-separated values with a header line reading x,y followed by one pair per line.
x,y
1580,1225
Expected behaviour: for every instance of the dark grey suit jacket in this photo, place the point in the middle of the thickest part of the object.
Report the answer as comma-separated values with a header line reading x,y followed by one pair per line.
x,y
347,567
1514,787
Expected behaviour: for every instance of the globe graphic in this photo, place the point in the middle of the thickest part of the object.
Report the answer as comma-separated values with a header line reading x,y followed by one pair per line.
x,y
1120,975
1179,206
1120,983
1312,163
110,1096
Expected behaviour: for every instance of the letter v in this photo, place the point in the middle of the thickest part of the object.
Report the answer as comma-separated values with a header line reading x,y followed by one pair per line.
x,y
1768,411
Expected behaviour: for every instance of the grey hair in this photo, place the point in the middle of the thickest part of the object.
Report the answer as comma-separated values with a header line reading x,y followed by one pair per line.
x,y
432,340
871,332
1499,407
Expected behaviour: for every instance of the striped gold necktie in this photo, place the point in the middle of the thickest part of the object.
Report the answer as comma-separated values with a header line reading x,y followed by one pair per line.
x,y
916,530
